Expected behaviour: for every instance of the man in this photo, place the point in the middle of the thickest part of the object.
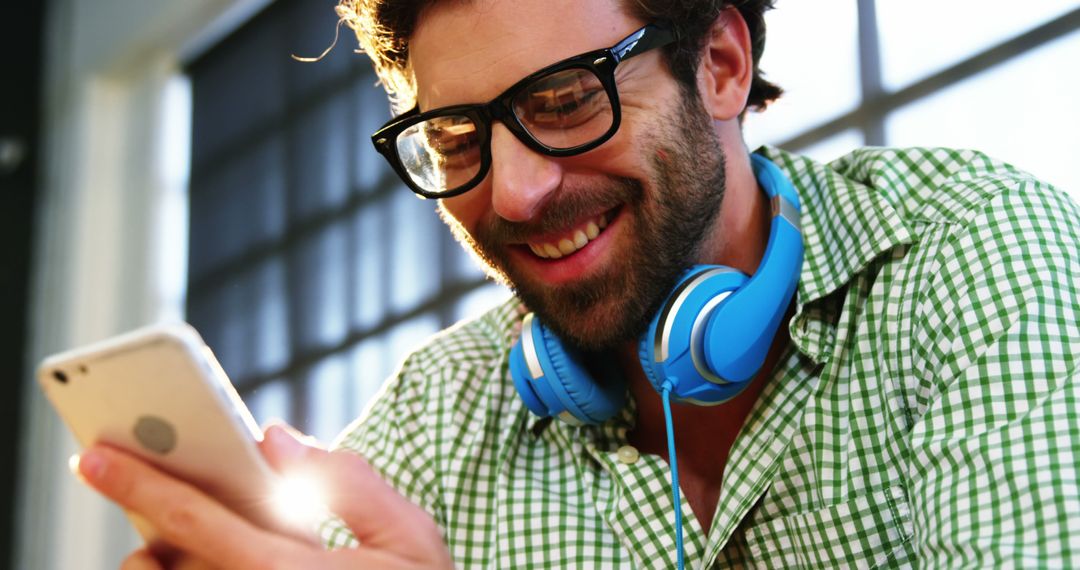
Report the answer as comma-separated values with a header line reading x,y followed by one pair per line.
x,y
919,405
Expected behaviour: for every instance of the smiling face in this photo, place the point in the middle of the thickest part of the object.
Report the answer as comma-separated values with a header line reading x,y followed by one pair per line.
x,y
591,243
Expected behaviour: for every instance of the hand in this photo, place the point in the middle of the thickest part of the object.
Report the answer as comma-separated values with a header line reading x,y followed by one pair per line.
x,y
201,533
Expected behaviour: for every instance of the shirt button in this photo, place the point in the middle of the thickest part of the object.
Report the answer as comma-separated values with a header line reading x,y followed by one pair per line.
x,y
628,454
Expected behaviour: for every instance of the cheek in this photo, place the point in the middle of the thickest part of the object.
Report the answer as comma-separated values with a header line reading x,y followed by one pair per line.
x,y
465,211
618,157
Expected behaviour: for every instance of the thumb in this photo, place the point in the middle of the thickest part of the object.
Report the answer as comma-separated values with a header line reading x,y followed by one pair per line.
x,y
286,449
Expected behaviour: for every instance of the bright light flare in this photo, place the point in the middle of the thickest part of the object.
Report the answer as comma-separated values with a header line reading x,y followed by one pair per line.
x,y
299,500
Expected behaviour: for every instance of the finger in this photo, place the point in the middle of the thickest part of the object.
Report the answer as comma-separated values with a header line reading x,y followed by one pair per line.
x,y
161,557
285,448
184,516
169,557
376,512
379,516
141,560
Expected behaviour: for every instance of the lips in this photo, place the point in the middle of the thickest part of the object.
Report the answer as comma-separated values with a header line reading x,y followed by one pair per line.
x,y
571,240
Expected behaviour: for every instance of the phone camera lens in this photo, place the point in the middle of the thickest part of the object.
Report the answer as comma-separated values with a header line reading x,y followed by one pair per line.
x,y
60,376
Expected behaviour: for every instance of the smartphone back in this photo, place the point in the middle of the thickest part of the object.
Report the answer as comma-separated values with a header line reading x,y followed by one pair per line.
x,y
159,392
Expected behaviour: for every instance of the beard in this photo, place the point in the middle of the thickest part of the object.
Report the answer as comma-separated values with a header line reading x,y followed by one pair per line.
x,y
669,216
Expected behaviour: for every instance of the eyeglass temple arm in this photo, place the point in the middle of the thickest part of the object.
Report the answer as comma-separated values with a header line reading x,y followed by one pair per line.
x,y
645,39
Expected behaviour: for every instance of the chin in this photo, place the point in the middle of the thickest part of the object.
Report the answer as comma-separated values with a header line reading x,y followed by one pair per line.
x,y
590,318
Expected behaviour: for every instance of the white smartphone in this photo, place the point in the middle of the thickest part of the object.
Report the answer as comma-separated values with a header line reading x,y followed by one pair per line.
x,y
159,393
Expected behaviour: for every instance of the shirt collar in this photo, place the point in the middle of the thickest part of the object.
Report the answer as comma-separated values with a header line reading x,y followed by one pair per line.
x,y
846,224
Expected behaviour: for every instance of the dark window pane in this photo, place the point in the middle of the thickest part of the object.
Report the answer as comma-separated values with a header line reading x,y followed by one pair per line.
x,y
317,272
319,158
222,318
328,407
371,265
236,88
311,31
414,236
239,206
369,168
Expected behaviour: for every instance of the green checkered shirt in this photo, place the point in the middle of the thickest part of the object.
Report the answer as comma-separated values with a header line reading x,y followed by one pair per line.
x,y
926,412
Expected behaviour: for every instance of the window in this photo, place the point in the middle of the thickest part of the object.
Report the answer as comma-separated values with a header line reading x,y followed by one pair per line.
x,y
312,268
986,75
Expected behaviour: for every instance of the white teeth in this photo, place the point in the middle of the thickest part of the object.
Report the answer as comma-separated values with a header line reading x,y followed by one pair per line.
x,y
592,230
568,245
580,240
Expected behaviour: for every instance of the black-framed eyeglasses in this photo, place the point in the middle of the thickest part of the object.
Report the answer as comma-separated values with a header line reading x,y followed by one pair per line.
x,y
564,109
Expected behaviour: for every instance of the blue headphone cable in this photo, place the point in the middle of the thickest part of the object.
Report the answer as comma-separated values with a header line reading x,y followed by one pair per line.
x,y
666,394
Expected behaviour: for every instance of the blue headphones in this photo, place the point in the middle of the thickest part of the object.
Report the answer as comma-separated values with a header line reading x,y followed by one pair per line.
x,y
706,343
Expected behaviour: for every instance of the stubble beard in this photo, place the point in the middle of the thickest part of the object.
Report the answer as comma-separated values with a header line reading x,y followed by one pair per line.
x,y
667,227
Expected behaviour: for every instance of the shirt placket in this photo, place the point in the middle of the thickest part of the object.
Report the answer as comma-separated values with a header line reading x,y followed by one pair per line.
x,y
638,507
759,449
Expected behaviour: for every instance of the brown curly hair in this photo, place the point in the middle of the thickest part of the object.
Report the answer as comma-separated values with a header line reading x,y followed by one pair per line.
x,y
383,29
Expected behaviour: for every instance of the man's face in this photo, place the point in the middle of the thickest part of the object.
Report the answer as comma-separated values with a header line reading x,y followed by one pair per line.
x,y
591,243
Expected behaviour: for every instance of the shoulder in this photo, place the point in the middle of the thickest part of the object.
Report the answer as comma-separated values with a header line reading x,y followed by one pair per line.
x,y
978,226
452,382
937,185
985,258
427,417
994,278
476,343
476,347
994,269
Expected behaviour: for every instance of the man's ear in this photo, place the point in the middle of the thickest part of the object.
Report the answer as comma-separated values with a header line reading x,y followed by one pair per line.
x,y
726,69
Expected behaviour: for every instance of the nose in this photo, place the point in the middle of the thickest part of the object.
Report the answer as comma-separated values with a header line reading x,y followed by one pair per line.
x,y
522,180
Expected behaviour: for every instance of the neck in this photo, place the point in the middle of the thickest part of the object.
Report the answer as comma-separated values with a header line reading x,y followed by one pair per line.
x,y
704,435
741,232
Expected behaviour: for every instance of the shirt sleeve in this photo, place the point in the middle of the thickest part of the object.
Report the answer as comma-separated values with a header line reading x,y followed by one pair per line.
x,y
995,450
392,437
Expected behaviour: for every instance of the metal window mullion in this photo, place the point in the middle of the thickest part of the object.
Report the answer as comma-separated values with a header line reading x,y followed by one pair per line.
x,y
982,61
873,124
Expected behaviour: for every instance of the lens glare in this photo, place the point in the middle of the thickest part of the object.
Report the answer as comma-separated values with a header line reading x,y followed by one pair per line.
x,y
566,109
442,153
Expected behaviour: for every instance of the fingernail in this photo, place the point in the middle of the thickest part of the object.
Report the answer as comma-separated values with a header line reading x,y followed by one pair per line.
x,y
91,465
73,465
282,439
277,433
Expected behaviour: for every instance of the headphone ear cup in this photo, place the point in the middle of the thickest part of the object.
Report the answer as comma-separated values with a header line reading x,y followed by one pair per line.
x,y
524,382
671,350
586,399
564,387
646,356
740,332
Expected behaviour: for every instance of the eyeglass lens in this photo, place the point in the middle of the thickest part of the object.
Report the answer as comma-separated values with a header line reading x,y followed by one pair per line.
x,y
562,110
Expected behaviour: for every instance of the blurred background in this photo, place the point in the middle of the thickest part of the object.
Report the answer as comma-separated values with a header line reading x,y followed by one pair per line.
x,y
166,160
